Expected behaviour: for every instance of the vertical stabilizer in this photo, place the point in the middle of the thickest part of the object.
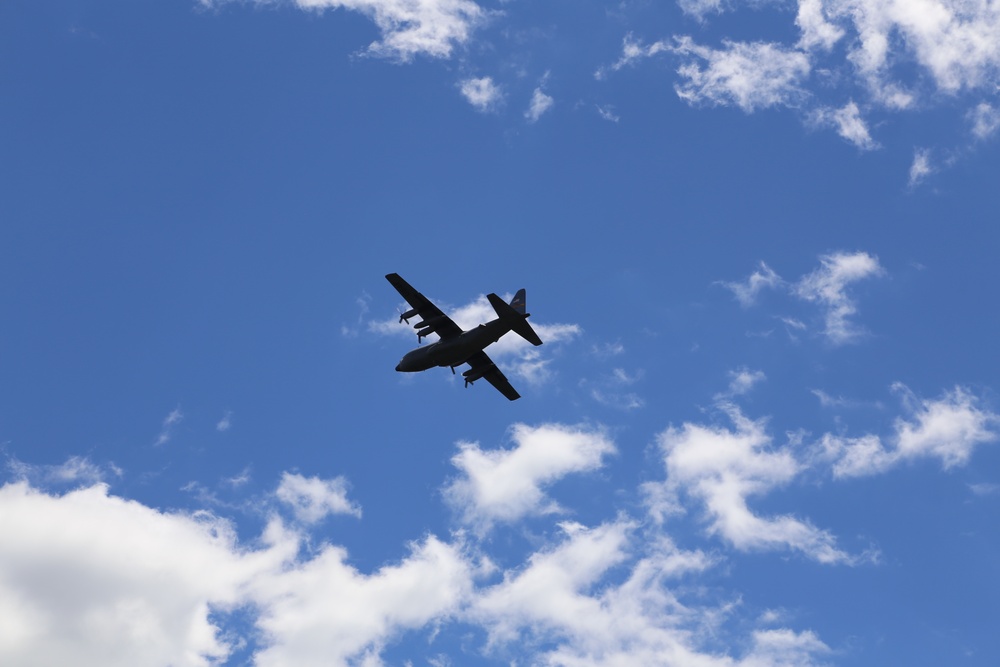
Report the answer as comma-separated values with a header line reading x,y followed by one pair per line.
x,y
518,302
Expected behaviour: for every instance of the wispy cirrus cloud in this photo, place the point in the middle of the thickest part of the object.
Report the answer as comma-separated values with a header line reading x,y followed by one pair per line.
x,y
175,417
848,123
75,471
433,28
828,285
746,292
751,76
851,59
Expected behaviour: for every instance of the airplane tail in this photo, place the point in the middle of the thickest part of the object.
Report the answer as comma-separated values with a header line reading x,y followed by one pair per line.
x,y
514,315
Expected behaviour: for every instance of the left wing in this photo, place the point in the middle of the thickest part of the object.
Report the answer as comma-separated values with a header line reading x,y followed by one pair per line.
x,y
432,319
483,367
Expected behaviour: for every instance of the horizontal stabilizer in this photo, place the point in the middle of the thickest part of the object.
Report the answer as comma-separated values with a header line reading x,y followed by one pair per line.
x,y
517,321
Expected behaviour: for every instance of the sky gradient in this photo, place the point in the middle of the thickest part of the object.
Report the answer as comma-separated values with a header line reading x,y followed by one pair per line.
x,y
758,241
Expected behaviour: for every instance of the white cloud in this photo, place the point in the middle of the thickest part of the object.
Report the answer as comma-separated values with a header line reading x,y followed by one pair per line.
x,y
722,468
92,579
985,120
817,30
742,380
226,422
540,103
607,112
482,93
984,489
175,417
828,284
75,471
612,391
785,648
949,429
828,401
561,603
921,167
848,123
749,75
313,499
633,51
87,578
746,292
324,612
956,41
507,484
409,27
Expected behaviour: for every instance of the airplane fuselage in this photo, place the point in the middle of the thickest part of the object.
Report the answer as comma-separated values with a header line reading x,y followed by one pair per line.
x,y
455,351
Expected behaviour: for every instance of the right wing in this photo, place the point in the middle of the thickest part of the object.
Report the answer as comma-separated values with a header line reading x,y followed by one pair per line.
x,y
430,314
483,367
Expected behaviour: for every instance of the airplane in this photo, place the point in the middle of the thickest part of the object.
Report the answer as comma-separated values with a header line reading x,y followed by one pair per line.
x,y
457,347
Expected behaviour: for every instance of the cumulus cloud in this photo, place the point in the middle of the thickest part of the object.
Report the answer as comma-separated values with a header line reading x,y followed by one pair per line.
x,y
722,468
507,484
746,292
324,612
949,429
427,27
827,286
313,499
88,578
561,602
750,76
93,579
482,93
817,32
956,42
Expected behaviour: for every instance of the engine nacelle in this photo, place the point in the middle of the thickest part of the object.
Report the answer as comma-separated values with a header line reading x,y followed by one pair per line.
x,y
429,324
474,374
405,317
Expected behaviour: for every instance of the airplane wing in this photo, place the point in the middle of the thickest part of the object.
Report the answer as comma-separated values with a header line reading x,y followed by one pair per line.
x,y
436,320
483,367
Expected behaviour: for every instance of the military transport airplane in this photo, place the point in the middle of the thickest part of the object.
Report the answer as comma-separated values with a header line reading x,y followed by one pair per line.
x,y
457,347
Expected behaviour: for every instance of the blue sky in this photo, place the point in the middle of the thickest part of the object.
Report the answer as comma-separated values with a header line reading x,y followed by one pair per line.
x,y
758,240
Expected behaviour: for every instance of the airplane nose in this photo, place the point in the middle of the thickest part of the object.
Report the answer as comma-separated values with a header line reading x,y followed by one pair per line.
x,y
399,367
